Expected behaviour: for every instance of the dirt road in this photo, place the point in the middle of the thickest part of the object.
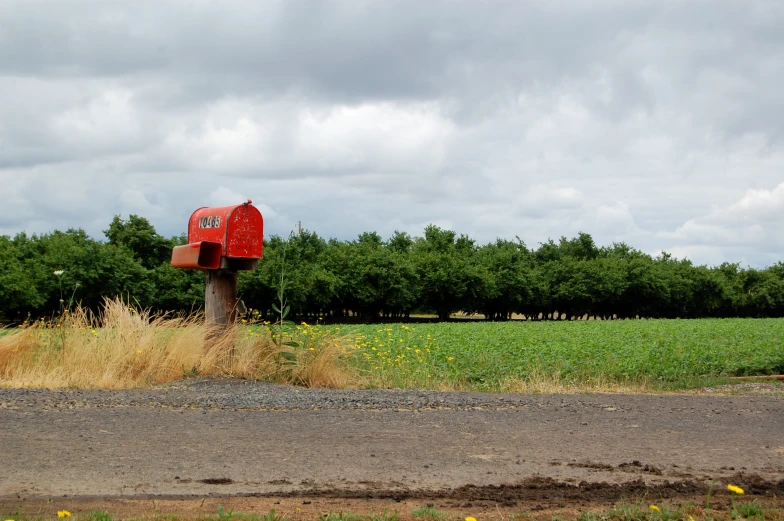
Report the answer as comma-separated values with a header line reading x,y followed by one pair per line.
x,y
231,438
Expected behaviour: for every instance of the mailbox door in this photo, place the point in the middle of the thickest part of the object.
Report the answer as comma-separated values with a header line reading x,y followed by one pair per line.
x,y
245,233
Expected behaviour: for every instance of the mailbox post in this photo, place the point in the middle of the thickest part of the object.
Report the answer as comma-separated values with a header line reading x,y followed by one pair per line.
x,y
222,241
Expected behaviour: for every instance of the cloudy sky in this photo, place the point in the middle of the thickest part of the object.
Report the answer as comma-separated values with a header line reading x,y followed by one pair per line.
x,y
658,123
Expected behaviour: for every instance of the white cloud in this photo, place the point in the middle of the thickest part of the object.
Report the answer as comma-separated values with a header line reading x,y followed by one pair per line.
x,y
540,200
616,220
759,205
134,201
223,196
108,121
751,224
249,137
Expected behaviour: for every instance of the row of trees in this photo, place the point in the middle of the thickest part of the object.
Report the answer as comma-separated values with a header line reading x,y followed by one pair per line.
x,y
370,278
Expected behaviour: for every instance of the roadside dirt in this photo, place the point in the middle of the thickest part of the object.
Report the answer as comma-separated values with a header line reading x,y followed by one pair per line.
x,y
169,450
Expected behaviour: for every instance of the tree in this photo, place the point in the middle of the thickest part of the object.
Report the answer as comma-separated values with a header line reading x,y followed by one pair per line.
x,y
508,282
447,271
440,272
140,237
91,271
18,289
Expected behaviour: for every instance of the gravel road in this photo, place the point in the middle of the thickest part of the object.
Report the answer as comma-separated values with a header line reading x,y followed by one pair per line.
x,y
229,437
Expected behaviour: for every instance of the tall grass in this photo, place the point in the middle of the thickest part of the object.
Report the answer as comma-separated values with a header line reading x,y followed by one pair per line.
x,y
123,346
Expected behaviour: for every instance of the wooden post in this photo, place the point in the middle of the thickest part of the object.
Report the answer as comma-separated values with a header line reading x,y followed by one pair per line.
x,y
220,300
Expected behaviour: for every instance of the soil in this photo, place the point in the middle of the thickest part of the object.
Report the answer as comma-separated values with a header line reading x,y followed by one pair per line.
x,y
252,446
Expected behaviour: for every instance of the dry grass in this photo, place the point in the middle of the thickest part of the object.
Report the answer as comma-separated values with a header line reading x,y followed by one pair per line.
x,y
554,383
124,347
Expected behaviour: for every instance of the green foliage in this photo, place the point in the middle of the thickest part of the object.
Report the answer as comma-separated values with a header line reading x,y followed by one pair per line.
x,y
91,270
667,514
747,510
633,512
369,279
628,512
96,515
428,512
139,236
233,516
272,516
386,515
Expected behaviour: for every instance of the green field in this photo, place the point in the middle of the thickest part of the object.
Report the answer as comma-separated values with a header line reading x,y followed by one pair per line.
x,y
487,356
551,356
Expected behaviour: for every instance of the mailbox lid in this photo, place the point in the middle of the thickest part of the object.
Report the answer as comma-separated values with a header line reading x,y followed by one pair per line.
x,y
239,229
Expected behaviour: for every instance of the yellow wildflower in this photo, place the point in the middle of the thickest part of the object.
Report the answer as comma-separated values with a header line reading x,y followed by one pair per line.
x,y
655,508
63,513
737,490
470,519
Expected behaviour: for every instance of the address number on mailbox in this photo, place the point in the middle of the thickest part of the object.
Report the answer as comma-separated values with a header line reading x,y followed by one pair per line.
x,y
210,222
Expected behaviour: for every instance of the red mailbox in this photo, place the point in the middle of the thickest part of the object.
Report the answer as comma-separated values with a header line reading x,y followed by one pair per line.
x,y
228,237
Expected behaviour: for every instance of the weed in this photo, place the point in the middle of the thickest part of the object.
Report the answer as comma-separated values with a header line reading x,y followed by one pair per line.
x,y
384,516
272,516
156,517
231,515
428,512
627,512
752,510
281,307
340,516
96,515
667,514
710,493
18,516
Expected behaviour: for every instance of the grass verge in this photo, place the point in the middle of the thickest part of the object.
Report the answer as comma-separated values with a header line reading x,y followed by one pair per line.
x,y
635,510
125,347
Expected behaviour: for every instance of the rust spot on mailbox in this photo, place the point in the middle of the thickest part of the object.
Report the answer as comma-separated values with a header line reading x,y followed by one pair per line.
x,y
236,232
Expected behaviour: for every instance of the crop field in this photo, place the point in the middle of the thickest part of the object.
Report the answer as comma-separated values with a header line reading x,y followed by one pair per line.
x,y
126,347
499,356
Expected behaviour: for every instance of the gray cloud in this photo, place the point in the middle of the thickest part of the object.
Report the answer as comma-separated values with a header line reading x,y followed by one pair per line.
x,y
655,123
